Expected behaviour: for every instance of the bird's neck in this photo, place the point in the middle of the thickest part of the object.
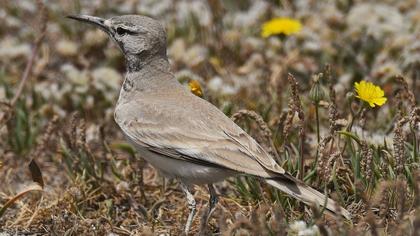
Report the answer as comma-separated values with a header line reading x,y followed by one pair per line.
x,y
149,75
139,62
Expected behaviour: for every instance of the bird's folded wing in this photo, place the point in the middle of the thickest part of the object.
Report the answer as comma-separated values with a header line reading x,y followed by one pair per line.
x,y
209,139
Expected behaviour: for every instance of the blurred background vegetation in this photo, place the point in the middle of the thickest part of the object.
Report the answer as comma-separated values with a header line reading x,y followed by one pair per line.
x,y
311,121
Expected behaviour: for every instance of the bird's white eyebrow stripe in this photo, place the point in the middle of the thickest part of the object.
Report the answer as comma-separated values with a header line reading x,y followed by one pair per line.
x,y
107,23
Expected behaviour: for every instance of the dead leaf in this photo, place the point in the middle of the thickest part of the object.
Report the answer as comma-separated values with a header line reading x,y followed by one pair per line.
x,y
36,173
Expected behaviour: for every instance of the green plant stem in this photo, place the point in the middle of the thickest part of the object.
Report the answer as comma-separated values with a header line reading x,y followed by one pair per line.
x,y
317,121
353,118
324,207
302,160
313,171
314,168
415,151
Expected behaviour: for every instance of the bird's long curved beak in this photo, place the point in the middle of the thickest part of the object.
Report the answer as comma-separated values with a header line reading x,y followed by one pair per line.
x,y
97,21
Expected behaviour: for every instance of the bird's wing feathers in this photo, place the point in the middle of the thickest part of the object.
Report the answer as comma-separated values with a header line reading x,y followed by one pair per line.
x,y
203,135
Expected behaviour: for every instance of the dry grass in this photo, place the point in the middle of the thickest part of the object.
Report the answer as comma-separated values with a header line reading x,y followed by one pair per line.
x,y
58,112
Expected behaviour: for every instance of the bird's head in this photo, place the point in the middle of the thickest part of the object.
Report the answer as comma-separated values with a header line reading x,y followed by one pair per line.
x,y
137,36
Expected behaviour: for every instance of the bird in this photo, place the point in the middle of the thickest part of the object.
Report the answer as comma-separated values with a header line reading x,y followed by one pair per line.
x,y
180,134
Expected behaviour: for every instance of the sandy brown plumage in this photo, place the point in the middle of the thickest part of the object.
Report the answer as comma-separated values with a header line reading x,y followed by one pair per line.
x,y
180,134
170,121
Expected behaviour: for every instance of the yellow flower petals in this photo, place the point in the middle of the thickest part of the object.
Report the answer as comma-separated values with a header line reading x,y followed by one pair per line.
x,y
370,93
195,88
280,25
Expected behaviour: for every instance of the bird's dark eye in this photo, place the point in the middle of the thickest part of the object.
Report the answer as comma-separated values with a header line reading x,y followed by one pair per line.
x,y
121,31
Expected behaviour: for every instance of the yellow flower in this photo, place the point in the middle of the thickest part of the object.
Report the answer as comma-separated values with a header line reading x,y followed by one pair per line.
x,y
370,93
195,87
280,25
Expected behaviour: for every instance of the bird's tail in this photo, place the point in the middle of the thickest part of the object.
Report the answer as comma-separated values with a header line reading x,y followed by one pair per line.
x,y
306,194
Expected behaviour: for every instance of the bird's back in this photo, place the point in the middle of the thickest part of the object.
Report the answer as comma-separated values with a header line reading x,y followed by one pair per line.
x,y
176,120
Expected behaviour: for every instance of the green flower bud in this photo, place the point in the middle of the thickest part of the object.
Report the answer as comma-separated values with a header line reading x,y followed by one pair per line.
x,y
317,93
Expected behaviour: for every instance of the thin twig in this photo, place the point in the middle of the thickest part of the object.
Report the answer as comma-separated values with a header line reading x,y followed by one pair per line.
x,y
35,49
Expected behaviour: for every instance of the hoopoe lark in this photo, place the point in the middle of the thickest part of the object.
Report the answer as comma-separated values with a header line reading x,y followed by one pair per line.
x,y
181,135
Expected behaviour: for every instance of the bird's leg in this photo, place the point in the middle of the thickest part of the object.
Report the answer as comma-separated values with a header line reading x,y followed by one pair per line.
x,y
191,206
212,201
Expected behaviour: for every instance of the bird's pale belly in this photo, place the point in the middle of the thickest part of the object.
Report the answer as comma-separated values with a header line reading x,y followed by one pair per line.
x,y
187,172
